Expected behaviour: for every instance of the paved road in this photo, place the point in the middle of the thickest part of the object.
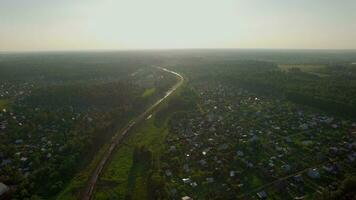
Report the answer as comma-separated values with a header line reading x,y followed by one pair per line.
x,y
118,138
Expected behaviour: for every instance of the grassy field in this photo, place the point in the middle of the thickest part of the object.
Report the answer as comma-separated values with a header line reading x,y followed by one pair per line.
x,y
120,178
4,103
149,92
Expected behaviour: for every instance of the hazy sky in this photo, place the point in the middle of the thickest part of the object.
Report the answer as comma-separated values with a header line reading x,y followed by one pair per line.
x,y
146,24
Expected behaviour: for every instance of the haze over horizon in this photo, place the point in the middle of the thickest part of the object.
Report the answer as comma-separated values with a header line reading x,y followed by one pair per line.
x,y
40,25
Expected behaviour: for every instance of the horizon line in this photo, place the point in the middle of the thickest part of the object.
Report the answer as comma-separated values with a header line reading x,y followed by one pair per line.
x,y
164,49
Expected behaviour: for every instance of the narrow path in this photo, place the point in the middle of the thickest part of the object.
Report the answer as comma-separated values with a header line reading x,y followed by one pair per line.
x,y
119,137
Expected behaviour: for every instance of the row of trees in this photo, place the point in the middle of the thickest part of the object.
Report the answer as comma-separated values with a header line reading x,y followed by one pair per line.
x,y
334,93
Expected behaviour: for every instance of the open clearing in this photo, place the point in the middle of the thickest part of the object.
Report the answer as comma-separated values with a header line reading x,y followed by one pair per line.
x,y
120,172
3,103
149,92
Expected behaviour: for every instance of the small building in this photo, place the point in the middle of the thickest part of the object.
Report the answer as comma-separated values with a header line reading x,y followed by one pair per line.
x,y
298,178
186,180
18,141
187,198
262,195
3,189
210,179
313,173
232,173
240,153
168,172
286,168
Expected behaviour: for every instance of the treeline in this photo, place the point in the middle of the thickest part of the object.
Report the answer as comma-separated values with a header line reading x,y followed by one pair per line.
x,y
186,100
102,95
345,191
327,105
331,88
334,93
69,66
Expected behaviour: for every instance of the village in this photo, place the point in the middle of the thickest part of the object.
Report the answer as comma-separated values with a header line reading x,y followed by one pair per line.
x,y
43,138
33,139
247,146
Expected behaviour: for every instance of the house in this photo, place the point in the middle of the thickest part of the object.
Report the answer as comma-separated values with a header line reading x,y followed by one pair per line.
x,y
286,168
351,157
313,173
186,180
333,150
352,131
168,173
328,168
240,153
307,142
210,179
304,126
3,189
5,162
298,178
23,159
186,167
232,173
262,195
3,125
19,141
334,126
187,198
203,162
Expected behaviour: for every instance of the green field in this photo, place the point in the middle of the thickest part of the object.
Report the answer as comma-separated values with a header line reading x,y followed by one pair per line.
x,y
119,173
149,92
4,103
121,178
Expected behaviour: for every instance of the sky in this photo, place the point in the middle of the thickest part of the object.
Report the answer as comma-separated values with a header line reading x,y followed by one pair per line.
x,y
51,25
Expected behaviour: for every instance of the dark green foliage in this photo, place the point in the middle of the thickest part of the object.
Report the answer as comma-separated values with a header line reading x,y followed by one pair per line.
x,y
142,156
186,100
334,93
144,164
323,104
156,187
346,191
82,96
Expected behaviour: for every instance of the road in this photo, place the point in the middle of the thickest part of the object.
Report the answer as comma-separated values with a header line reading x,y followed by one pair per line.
x,y
119,137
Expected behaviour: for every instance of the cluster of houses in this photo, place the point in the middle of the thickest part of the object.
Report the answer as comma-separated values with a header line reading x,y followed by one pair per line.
x,y
27,144
241,141
15,90
36,137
